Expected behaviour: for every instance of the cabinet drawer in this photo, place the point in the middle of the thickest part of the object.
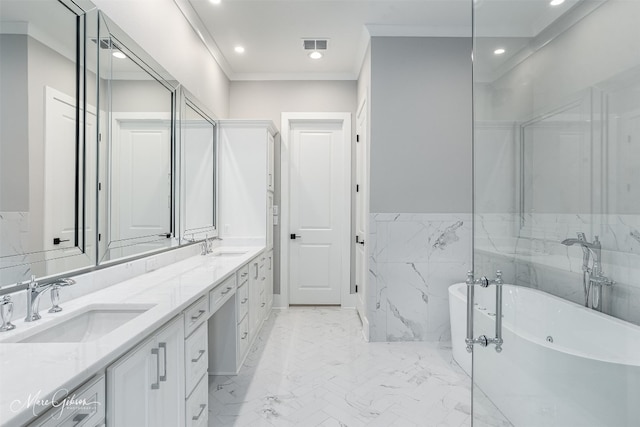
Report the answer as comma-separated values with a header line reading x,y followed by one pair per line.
x,y
243,338
197,411
242,296
263,306
221,294
196,357
195,315
243,274
74,413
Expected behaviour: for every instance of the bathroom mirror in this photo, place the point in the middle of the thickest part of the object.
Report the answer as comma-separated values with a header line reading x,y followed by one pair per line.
x,y
47,155
621,95
556,160
136,167
197,170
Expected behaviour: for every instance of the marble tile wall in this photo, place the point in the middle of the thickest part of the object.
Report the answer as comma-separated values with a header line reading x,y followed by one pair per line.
x,y
413,259
532,256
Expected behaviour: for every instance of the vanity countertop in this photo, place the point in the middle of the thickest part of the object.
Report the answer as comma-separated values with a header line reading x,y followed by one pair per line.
x,y
34,372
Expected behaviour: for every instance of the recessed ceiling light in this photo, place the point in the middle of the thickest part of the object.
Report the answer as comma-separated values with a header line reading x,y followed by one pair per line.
x,y
556,2
119,54
315,55
499,51
239,49
215,1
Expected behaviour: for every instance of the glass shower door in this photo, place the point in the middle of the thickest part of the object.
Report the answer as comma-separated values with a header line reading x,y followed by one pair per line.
x,y
554,297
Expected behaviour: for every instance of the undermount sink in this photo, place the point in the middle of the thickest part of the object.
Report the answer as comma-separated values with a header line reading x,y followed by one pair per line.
x,y
88,325
229,253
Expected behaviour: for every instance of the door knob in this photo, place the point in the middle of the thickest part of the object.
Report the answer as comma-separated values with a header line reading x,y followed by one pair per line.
x,y
57,240
294,236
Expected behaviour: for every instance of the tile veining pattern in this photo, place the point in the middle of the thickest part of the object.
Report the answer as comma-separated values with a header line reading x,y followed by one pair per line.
x,y
413,259
533,256
311,367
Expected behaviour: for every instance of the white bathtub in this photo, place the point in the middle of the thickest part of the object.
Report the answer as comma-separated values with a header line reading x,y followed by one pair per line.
x,y
562,365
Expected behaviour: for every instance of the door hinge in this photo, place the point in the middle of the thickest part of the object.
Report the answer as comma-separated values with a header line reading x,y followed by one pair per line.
x,y
357,138
99,186
99,137
356,289
357,188
99,237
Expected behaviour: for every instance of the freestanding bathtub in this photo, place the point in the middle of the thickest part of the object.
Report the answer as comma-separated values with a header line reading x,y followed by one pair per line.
x,y
562,365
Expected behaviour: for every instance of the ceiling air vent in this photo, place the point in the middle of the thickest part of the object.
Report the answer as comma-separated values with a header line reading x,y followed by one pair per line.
x,y
315,44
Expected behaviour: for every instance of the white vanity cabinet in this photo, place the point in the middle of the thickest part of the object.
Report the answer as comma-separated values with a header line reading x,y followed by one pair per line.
x,y
75,412
146,386
269,280
196,361
247,178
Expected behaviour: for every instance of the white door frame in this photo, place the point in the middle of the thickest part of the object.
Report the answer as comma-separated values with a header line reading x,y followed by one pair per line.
x,y
364,291
346,298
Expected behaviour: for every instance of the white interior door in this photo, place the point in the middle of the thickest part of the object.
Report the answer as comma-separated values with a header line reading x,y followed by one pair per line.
x,y
362,213
319,211
141,178
59,176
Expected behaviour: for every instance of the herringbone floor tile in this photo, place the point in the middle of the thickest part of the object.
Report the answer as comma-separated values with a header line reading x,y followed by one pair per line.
x,y
311,367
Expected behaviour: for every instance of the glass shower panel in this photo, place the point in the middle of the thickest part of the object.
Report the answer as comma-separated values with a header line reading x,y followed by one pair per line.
x,y
557,211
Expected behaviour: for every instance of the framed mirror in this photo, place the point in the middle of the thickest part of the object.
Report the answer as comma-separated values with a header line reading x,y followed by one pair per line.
x,y
198,153
47,155
136,154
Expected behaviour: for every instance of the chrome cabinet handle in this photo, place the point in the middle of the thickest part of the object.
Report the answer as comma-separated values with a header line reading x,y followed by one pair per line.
x,y
244,335
194,318
197,417
226,291
202,352
483,340
163,346
79,418
256,266
244,300
156,385
244,274
263,304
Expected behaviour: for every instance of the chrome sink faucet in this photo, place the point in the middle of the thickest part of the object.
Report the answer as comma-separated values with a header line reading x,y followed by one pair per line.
x,y
35,290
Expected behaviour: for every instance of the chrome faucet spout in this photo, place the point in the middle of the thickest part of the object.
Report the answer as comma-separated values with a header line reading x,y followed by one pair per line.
x,y
35,290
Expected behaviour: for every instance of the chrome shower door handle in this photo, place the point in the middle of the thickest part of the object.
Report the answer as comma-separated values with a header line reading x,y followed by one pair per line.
x,y
483,340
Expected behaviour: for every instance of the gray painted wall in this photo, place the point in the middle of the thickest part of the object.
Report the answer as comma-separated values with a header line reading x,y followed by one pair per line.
x,y
14,128
420,125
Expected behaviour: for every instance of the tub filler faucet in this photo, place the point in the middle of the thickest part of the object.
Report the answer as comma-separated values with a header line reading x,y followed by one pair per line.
x,y
593,278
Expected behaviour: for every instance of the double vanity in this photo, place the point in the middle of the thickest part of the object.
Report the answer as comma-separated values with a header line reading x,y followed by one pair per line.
x,y
139,353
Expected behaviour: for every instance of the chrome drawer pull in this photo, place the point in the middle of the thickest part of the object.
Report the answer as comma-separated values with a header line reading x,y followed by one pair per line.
x,y
244,274
79,418
263,304
197,417
156,385
163,346
244,300
226,291
244,335
202,352
194,318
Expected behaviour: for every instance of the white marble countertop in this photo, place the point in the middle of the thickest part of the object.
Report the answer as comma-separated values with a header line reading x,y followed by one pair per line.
x,y
37,371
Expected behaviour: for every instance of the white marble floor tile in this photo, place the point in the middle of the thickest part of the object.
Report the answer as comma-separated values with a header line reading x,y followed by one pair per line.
x,y
310,367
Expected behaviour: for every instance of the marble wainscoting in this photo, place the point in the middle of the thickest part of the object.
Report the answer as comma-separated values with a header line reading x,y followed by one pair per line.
x,y
14,242
533,256
413,259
